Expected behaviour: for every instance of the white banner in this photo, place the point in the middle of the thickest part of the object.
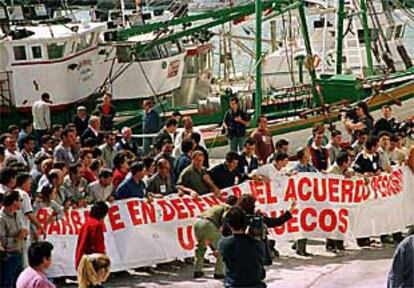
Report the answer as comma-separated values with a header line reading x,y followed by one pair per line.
x,y
140,233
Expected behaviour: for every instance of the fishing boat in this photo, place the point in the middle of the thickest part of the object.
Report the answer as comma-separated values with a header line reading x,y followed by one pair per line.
x,y
73,63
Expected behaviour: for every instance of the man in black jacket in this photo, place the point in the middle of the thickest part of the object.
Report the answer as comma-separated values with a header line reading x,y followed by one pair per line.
x,y
242,254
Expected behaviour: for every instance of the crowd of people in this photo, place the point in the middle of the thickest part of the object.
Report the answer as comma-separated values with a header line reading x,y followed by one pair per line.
x,y
87,162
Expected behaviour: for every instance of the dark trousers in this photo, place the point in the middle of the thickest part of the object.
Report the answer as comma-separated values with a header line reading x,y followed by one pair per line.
x,y
363,242
11,265
334,244
301,245
396,237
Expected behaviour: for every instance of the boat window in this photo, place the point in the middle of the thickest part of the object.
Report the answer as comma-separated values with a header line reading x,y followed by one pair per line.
x,y
123,54
73,50
192,64
149,54
37,52
174,48
83,43
19,53
164,51
55,50
398,32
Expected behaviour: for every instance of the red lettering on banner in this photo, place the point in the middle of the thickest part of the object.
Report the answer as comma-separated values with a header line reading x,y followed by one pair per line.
x,y
54,228
186,241
292,224
319,190
168,212
115,218
347,190
189,204
303,219
76,221
365,191
42,217
148,212
236,191
211,200
201,205
262,191
134,212
179,207
271,199
343,220
290,193
304,194
357,193
66,225
327,226
333,190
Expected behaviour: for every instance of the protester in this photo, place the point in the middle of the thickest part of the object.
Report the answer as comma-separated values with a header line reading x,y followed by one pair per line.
x,y
282,145
185,134
401,273
236,122
197,147
106,112
184,159
91,236
108,150
41,114
166,153
29,145
127,143
386,123
367,161
132,186
93,270
263,140
248,162
319,154
359,143
334,146
226,174
273,171
63,152
362,121
384,151
207,231
194,180
26,130
101,189
161,183
318,128
120,171
40,259
12,237
152,124
243,255
12,153
397,154
81,120
168,133
74,185
7,181
91,134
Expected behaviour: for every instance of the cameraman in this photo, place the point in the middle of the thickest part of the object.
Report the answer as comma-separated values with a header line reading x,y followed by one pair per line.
x,y
242,254
358,121
248,204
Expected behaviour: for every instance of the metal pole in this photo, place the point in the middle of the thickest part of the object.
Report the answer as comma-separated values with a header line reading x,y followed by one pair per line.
x,y
273,35
258,95
340,36
317,98
367,37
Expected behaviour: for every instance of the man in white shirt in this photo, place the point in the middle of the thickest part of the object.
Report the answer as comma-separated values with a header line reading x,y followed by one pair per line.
x,y
185,133
273,171
11,152
41,114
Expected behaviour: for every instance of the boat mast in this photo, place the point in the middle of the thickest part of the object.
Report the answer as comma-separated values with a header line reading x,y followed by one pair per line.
x,y
367,37
340,35
258,94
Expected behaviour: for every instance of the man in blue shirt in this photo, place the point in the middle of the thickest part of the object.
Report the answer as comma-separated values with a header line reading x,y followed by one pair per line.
x,y
236,122
151,125
132,186
402,269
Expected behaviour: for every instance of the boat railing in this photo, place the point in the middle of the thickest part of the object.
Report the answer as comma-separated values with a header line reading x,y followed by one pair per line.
x,y
6,92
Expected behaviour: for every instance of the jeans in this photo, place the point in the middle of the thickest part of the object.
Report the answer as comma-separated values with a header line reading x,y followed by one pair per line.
x,y
237,143
10,268
147,143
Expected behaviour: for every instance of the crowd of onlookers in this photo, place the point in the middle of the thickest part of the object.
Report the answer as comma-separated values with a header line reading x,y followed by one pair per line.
x,y
87,161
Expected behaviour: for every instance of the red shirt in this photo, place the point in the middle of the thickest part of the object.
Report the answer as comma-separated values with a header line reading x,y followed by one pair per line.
x,y
264,144
118,177
88,175
106,109
91,239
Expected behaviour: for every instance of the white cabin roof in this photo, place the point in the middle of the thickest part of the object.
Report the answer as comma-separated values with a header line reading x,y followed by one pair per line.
x,y
60,31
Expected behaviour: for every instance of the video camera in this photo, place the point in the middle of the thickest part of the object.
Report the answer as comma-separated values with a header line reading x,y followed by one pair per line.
x,y
256,227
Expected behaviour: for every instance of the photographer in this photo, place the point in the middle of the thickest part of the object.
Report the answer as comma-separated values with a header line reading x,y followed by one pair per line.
x,y
242,254
357,120
248,204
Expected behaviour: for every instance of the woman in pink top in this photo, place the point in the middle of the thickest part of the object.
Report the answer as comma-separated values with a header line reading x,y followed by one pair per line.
x,y
40,259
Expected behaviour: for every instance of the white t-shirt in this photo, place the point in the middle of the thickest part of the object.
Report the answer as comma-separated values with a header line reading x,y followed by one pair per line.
x,y
26,208
270,171
41,115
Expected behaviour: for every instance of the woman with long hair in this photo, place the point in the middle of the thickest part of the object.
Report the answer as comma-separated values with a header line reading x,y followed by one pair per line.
x,y
93,270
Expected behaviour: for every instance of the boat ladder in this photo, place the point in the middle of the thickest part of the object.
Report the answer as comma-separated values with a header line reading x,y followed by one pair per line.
x,y
5,89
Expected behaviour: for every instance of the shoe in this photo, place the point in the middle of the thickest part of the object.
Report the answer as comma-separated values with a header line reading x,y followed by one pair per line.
x,y
198,274
189,260
274,253
294,246
331,249
218,276
303,253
